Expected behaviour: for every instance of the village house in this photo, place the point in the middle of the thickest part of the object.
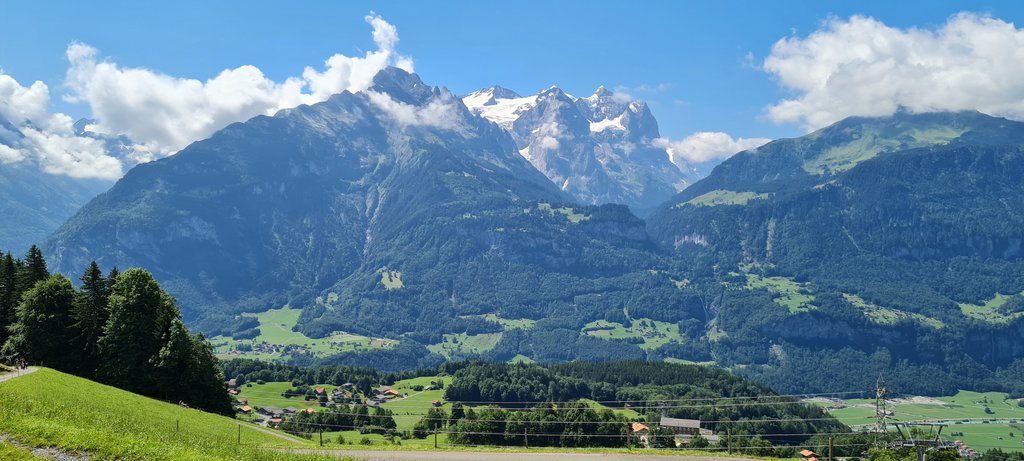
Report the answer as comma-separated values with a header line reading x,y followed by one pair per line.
x,y
289,411
685,427
272,412
245,409
641,431
436,403
809,455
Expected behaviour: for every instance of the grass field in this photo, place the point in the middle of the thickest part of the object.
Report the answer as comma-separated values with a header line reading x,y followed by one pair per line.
x,y
789,293
723,197
654,333
569,213
886,316
269,394
964,406
410,409
989,311
51,409
277,339
466,344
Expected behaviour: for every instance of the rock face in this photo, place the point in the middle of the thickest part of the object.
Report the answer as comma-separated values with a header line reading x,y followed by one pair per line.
x,y
395,199
600,148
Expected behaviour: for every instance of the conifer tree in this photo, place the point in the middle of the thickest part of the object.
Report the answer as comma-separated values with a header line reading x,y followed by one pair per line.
x,y
131,336
33,270
90,317
8,298
40,333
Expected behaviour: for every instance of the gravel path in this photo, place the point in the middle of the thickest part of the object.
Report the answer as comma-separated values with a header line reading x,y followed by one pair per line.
x,y
15,374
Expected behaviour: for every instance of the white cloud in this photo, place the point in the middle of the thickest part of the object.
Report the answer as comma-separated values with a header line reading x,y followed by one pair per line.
x,y
165,113
860,66
705,146
49,140
10,155
440,112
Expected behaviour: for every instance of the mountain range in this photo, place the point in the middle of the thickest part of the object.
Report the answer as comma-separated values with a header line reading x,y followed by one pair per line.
x,y
600,149
875,245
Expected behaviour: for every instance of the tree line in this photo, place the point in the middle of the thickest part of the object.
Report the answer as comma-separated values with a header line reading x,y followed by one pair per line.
x,y
120,329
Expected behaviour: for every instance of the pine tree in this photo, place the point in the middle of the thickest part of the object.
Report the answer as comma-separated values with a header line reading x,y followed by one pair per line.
x,y
112,276
41,331
132,337
8,299
90,316
33,270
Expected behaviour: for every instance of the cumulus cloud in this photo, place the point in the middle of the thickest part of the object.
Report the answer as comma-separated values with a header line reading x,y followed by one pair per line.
x,y
440,112
10,155
48,140
165,113
861,66
705,146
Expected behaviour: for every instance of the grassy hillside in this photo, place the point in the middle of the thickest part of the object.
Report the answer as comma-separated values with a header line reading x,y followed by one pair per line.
x,y
52,409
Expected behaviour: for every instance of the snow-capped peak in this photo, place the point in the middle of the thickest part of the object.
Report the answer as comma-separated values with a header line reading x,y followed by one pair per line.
x,y
499,105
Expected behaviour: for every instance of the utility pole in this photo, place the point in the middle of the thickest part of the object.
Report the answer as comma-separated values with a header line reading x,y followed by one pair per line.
x,y
880,412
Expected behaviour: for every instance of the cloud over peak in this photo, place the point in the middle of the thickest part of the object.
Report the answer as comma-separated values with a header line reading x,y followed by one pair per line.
x,y
164,113
861,66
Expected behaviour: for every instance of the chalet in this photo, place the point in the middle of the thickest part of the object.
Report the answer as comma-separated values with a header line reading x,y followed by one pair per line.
x,y
641,431
245,409
232,391
381,397
232,383
373,403
320,391
391,393
684,427
272,412
348,385
809,455
274,422
310,410
383,389
436,403
242,401
289,411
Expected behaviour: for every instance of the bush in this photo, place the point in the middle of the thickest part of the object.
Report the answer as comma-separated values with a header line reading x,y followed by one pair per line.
x,y
365,441
340,440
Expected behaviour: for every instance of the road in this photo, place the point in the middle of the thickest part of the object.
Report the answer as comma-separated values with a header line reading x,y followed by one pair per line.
x,y
15,374
371,455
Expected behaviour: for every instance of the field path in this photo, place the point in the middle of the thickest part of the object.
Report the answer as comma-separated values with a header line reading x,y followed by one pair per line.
x,y
15,374
277,434
389,455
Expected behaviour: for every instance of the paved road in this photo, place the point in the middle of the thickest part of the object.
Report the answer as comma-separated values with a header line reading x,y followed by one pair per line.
x,y
370,455
15,374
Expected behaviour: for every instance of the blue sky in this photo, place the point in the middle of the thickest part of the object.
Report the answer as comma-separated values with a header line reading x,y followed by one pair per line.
x,y
690,60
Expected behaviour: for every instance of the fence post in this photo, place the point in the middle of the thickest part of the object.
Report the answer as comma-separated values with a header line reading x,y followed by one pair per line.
x,y
435,436
239,434
177,426
728,435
